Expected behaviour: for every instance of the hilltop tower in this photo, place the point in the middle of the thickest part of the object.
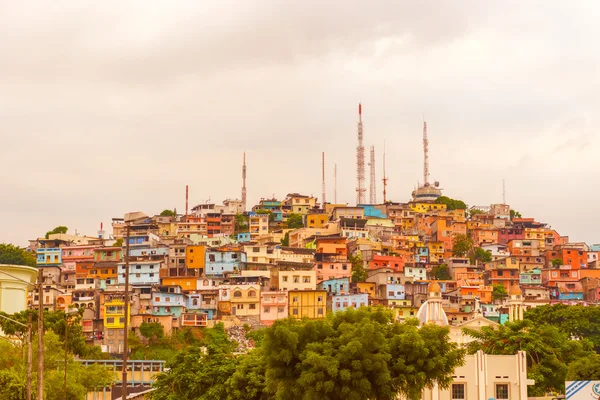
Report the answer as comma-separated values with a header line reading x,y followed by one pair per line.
x,y
426,192
360,162
244,183
372,189
515,303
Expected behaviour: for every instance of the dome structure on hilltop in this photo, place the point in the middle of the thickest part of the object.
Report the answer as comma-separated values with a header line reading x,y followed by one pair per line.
x,y
431,312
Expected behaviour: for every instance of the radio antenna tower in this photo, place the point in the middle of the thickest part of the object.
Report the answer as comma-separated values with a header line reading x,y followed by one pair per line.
x,y
244,183
372,190
385,178
426,155
323,179
334,183
360,162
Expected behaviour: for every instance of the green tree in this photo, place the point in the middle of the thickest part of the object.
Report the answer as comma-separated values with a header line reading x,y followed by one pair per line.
x,y
199,372
294,221
451,204
357,354
59,229
441,272
499,291
549,351
118,242
474,211
578,321
462,245
153,331
248,381
167,213
240,223
585,369
514,214
286,239
479,255
10,254
359,272
557,262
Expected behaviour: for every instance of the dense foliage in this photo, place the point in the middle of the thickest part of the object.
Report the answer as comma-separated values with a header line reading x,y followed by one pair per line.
x,y
355,354
167,213
10,254
451,204
441,272
359,272
59,229
577,321
294,221
80,379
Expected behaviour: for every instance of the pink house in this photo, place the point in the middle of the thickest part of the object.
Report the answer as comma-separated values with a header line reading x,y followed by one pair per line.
x,y
333,269
273,306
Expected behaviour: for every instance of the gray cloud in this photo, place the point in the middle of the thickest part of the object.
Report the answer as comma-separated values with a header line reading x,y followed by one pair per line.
x,y
116,106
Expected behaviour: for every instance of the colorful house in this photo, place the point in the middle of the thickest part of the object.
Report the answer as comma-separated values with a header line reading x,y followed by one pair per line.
x,y
307,303
340,302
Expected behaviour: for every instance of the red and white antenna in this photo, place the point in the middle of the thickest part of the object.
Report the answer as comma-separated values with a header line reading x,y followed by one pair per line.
x,y
360,161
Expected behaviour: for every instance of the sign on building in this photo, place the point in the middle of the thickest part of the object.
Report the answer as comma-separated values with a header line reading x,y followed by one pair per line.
x,y
582,390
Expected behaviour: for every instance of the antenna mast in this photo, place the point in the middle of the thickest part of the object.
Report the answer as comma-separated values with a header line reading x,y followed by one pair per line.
x,y
323,179
385,178
360,161
244,183
372,190
335,183
426,155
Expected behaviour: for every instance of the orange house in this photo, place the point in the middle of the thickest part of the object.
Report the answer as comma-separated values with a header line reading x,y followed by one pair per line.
x,y
393,262
485,236
569,256
332,245
484,292
185,282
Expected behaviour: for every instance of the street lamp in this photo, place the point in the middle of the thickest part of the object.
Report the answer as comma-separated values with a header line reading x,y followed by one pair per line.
x,y
68,311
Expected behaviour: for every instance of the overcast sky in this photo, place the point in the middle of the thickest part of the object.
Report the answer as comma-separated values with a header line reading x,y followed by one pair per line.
x,y
114,106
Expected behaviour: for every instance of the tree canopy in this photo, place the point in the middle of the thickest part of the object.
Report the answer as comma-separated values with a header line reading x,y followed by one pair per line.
x,y
353,354
462,245
10,254
267,212
585,369
359,272
294,221
479,255
514,214
549,351
167,213
498,291
451,204
577,321
441,272
241,223
59,229
286,239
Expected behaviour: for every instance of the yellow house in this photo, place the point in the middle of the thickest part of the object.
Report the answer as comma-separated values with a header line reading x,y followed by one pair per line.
x,y
315,220
297,280
187,283
436,251
114,314
402,312
426,207
367,287
329,207
307,303
194,257
245,300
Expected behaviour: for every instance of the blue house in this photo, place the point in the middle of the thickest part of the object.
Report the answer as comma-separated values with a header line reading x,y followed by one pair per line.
x,y
219,263
243,237
140,273
335,286
567,291
340,302
49,256
371,212
202,303
166,303
531,277
394,292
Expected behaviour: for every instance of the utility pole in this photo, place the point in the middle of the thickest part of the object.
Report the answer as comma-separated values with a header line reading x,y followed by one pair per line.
x,y
40,381
29,356
126,313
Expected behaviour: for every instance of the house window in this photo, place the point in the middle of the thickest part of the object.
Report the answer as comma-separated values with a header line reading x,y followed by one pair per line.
x,y
319,299
167,299
344,267
252,306
296,279
237,294
502,391
306,279
320,311
267,309
251,293
319,266
157,299
458,391
285,279
110,320
211,257
295,311
295,299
